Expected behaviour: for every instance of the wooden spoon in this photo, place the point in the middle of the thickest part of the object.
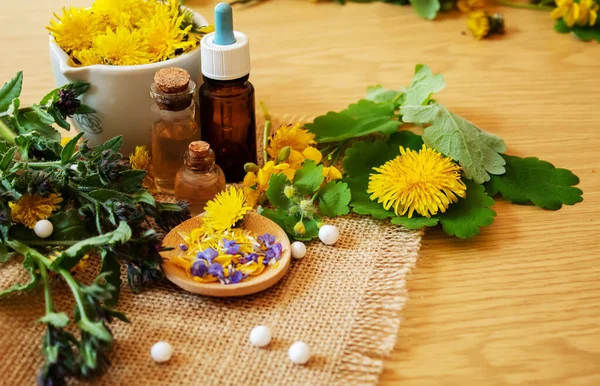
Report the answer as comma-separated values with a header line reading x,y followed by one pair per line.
x,y
253,222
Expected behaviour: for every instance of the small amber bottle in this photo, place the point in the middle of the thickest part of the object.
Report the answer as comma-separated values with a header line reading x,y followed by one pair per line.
x,y
175,123
199,179
227,97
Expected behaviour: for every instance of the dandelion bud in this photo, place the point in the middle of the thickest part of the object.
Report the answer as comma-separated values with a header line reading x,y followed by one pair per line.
x,y
299,228
250,167
289,191
284,154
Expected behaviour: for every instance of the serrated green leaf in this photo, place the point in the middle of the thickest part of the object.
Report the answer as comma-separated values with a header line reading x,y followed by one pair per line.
x,y
477,151
112,268
379,94
57,319
309,178
464,218
334,198
423,85
532,181
68,258
11,90
277,198
427,9
277,217
69,149
359,119
415,222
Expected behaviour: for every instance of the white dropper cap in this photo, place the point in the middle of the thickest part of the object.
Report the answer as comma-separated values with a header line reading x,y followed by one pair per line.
x,y
225,52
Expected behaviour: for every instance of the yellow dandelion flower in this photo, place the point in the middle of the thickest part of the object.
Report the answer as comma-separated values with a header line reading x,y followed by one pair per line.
x,y
75,29
588,13
140,160
124,13
122,47
470,5
425,182
225,210
164,34
293,136
479,24
331,173
31,208
568,10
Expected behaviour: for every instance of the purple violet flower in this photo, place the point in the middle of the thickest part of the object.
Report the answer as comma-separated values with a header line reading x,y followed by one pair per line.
x,y
183,247
267,238
209,254
216,269
235,277
199,268
273,253
232,247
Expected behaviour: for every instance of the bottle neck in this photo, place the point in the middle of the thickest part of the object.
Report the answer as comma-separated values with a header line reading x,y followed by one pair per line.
x,y
199,163
226,83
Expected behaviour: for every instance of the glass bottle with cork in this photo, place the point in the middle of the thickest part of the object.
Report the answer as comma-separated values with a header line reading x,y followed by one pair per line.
x,y
175,123
199,179
227,97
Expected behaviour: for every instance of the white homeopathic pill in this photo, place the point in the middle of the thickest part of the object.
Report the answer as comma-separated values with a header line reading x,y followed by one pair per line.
x,y
161,352
43,228
299,353
298,249
260,336
329,234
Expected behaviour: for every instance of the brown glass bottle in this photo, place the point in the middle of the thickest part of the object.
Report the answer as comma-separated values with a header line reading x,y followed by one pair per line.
x,y
199,179
228,123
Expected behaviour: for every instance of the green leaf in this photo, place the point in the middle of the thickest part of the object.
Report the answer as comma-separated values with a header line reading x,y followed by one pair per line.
x,y
112,268
359,119
145,196
32,122
530,180
362,204
379,94
308,179
423,85
363,156
427,9
119,315
7,158
3,253
278,216
11,90
68,229
69,149
57,319
463,219
30,266
277,183
96,329
583,33
334,198
43,116
68,258
56,114
415,222
477,151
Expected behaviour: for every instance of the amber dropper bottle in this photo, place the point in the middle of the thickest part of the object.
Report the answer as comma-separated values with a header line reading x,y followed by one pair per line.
x,y
227,97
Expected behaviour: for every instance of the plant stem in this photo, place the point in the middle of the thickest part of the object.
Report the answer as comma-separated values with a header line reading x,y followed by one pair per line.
x,y
45,164
267,131
47,294
538,7
7,133
337,152
74,286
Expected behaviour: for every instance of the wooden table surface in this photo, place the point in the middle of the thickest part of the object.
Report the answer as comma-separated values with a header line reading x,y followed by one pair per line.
x,y
519,304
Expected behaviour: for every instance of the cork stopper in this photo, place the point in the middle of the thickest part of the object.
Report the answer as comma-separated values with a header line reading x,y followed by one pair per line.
x,y
199,148
199,156
172,80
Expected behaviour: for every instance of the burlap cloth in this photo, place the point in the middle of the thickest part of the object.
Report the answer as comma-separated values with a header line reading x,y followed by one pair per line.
x,y
345,301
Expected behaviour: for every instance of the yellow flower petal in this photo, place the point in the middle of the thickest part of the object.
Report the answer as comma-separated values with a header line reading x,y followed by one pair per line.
x,y
225,210
312,153
295,137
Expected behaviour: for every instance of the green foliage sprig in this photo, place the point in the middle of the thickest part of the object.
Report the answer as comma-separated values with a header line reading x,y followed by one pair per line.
x,y
486,170
104,213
